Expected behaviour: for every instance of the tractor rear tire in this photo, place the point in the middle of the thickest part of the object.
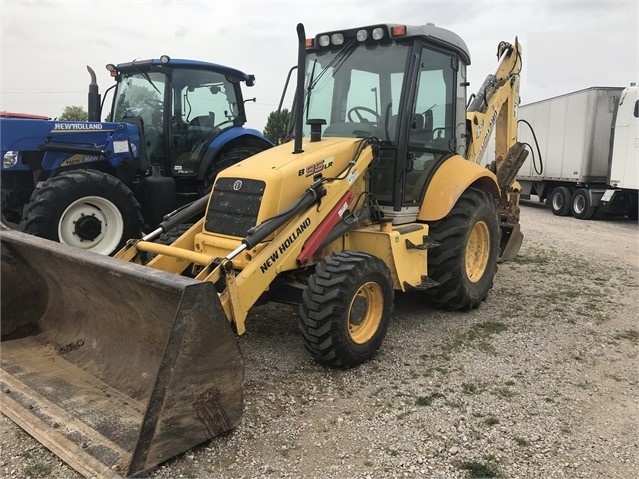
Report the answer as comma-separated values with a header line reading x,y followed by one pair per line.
x,y
465,261
346,309
87,209
229,158
560,200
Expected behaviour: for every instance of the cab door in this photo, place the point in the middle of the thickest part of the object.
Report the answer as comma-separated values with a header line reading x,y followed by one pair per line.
x,y
437,114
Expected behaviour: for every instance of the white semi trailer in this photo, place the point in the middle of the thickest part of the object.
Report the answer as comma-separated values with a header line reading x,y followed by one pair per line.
x,y
589,142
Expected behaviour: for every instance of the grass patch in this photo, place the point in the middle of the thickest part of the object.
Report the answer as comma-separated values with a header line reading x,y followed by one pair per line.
x,y
538,258
629,334
505,392
522,441
492,327
428,400
491,421
470,388
480,469
475,337
38,469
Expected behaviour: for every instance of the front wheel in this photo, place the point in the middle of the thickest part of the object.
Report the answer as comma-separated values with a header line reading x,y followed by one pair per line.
x,y
346,309
465,261
87,209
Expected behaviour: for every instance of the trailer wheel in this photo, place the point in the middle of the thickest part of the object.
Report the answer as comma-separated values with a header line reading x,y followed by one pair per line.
x,y
87,209
465,262
559,201
346,309
582,207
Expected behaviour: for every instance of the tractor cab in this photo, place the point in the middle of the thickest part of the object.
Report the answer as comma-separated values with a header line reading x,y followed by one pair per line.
x,y
404,85
181,107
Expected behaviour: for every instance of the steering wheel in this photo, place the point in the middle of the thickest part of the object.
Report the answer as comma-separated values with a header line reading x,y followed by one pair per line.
x,y
357,111
154,102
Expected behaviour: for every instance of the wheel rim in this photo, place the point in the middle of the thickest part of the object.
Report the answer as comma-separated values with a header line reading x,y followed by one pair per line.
x,y
477,251
365,312
579,204
92,223
557,201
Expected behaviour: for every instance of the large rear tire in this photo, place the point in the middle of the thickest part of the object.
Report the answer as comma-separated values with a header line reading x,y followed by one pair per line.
x,y
465,262
87,209
346,309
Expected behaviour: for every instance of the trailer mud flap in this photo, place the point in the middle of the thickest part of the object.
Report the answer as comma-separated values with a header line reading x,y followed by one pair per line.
x,y
115,367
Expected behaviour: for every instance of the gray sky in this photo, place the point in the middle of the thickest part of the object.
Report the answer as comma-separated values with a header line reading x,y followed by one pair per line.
x,y
46,45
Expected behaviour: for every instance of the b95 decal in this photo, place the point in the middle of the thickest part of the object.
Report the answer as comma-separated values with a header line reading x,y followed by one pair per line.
x,y
315,168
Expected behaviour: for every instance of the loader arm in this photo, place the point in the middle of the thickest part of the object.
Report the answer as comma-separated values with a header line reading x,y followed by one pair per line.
x,y
300,228
494,108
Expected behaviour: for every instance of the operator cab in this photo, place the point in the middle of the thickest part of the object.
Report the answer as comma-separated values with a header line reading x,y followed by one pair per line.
x,y
404,85
181,105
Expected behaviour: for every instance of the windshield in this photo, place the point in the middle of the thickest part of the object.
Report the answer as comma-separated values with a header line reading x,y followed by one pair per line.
x,y
356,90
140,95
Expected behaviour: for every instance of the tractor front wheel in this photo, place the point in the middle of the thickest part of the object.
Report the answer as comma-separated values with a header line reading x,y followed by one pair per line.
x,y
346,309
87,209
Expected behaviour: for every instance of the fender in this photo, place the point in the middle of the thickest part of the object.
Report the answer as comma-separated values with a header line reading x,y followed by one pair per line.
x,y
448,183
231,134
224,138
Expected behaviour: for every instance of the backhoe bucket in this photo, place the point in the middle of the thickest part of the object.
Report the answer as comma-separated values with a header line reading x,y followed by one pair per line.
x,y
115,367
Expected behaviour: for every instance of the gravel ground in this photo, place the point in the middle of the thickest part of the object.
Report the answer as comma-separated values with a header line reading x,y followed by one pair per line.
x,y
540,381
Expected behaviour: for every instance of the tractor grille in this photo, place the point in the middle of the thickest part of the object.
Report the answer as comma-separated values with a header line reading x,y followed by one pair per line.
x,y
234,206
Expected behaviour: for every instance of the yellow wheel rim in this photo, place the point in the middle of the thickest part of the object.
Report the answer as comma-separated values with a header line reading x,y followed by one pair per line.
x,y
477,251
365,312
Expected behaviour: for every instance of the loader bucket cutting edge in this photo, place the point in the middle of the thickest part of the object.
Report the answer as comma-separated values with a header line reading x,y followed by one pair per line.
x,y
114,366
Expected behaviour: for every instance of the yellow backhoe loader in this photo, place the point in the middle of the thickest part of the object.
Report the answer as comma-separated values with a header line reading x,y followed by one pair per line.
x,y
118,364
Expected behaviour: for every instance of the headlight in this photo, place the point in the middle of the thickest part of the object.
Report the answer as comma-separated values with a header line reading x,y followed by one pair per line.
x,y
324,40
337,39
362,35
10,159
378,33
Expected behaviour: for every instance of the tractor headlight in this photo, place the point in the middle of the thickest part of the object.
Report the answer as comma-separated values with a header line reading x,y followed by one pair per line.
x,y
10,159
378,33
324,40
362,35
337,39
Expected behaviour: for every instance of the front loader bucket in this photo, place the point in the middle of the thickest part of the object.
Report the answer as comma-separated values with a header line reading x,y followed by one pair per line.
x,y
115,367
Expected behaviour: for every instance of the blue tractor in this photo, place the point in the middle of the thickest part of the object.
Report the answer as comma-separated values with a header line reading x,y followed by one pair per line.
x,y
173,125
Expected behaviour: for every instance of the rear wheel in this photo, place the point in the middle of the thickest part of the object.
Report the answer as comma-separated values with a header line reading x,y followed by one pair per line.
x,y
346,309
559,201
465,262
581,205
87,209
230,158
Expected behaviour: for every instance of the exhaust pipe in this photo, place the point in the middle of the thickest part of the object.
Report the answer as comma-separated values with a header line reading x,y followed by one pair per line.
x,y
94,97
299,91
